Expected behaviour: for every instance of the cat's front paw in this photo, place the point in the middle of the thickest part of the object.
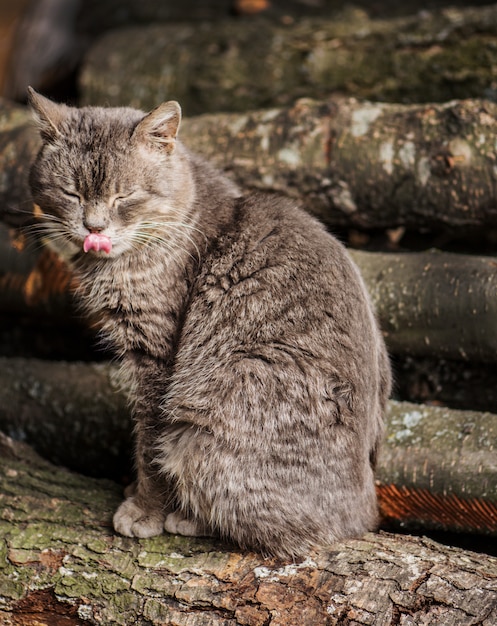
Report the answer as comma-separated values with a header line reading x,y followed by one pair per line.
x,y
177,524
131,520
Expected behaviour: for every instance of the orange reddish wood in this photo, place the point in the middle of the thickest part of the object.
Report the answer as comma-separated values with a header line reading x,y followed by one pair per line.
x,y
408,504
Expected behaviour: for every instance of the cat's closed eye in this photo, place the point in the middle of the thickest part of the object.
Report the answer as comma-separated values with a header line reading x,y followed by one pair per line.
x,y
72,195
122,198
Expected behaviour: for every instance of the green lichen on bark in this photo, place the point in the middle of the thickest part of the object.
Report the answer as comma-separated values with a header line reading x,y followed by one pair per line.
x,y
83,571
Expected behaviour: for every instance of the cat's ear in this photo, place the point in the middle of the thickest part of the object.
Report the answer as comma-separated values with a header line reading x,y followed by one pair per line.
x,y
160,127
49,115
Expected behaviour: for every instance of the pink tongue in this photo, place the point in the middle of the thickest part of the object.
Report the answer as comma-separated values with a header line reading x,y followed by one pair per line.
x,y
97,242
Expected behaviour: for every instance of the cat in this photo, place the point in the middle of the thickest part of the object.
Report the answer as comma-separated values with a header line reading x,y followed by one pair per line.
x,y
255,368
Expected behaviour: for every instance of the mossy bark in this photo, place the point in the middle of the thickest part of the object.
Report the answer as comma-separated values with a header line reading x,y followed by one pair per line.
x,y
61,563
239,65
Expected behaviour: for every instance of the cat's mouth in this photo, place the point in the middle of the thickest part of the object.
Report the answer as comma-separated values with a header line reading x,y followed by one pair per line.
x,y
97,242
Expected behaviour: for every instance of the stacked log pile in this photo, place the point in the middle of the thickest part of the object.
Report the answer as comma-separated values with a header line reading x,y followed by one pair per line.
x,y
280,106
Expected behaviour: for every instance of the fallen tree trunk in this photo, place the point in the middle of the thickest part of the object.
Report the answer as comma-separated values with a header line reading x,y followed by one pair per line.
x,y
436,468
61,562
240,65
351,163
434,303
363,164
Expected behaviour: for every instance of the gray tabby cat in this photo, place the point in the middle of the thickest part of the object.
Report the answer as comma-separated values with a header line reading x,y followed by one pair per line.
x,y
255,368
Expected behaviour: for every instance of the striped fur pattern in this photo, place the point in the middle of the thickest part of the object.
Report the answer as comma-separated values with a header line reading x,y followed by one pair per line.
x,y
253,361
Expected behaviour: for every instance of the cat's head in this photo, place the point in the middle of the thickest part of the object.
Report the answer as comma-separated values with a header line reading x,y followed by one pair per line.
x,y
108,181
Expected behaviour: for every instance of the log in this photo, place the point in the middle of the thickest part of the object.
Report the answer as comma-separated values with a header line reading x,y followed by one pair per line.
x,y
434,303
351,163
19,143
61,563
363,164
235,65
436,468
63,408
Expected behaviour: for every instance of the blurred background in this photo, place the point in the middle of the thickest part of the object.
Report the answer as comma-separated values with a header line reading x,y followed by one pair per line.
x,y
43,42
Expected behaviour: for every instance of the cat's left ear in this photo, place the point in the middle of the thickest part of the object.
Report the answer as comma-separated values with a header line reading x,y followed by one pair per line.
x,y
160,127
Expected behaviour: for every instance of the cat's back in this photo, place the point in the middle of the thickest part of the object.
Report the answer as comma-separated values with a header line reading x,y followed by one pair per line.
x,y
279,262
277,287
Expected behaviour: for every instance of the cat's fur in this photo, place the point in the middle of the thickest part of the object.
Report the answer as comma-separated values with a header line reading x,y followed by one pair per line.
x,y
256,371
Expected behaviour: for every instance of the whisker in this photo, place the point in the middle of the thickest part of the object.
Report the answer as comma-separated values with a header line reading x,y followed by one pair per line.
x,y
169,227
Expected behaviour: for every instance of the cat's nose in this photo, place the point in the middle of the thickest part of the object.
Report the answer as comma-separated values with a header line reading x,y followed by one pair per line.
x,y
94,223
94,229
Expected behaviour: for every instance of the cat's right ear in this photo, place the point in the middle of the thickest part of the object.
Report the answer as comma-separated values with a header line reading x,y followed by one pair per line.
x,y
48,114
160,127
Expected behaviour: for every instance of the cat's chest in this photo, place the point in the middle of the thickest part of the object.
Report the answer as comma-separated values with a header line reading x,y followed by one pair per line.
x,y
136,308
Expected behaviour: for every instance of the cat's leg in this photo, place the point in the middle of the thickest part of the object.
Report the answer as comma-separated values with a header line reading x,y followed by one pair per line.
x,y
149,498
132,519
144,510
178,524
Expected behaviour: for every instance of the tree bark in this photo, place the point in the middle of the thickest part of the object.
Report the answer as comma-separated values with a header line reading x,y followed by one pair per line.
x,y
351,163
241,65
61,564
436,468
434,303
45,40
72,413
363,164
